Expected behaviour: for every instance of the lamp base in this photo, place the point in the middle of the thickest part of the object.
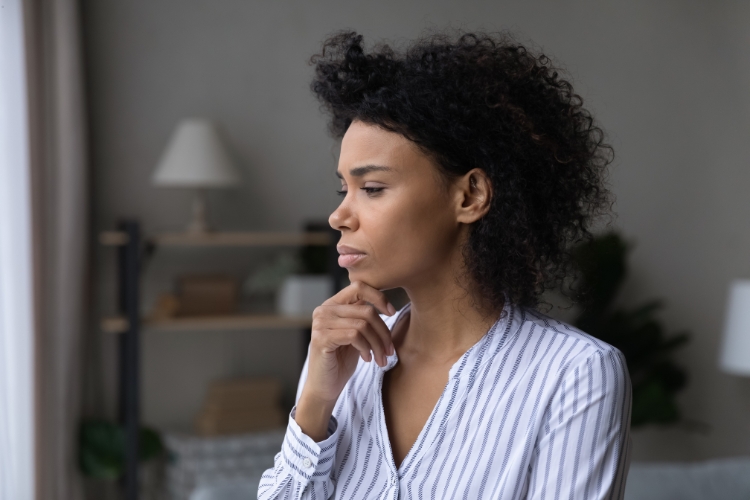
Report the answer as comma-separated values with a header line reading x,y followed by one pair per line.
x,y
199,223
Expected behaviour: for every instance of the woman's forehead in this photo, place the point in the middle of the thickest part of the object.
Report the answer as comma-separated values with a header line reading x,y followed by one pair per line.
x,y
366,145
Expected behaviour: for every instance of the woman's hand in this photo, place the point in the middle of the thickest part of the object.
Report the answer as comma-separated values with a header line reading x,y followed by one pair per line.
x,y
345,327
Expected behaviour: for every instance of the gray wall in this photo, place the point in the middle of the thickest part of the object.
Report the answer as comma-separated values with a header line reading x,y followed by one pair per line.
x,y
669,81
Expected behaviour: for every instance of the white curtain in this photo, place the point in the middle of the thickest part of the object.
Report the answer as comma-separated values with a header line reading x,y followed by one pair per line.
x,y
16,266
43,247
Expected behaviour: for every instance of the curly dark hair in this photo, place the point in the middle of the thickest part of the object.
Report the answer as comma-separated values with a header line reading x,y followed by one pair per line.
x,y
478,100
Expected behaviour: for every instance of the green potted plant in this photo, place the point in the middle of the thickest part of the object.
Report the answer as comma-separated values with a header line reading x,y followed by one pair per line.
x,y
101,452
648,349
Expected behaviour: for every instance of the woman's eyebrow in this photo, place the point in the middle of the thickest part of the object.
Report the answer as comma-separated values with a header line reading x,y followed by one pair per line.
x,y
366,169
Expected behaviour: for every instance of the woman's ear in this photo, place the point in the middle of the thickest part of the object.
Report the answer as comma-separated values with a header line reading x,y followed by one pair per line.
x,y
473,196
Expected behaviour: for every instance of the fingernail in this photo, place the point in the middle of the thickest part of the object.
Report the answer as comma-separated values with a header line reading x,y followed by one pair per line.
x,y
391,309
391,349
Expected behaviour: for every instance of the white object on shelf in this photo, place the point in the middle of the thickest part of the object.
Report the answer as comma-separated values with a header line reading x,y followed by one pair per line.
x,y
735,353
300,294
196,158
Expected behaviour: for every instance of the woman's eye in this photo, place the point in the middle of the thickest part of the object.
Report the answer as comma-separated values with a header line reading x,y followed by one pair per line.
x,y
368,190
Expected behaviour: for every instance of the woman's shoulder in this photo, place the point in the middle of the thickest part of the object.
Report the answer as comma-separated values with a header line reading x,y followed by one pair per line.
x,y
584,347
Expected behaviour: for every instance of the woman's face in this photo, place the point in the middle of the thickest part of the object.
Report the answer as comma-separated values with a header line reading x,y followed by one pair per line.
x,y
398,222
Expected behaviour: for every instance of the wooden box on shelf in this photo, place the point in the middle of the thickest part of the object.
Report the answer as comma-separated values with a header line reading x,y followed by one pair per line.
x,y
207,295
240,405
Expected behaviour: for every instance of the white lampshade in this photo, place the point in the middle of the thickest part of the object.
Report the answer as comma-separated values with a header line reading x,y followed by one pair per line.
x,y
735,352
196,158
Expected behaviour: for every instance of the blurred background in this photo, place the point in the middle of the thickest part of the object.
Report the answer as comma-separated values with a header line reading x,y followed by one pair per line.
x,y
668,81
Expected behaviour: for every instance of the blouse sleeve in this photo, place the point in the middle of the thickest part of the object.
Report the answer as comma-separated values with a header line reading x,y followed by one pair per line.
x,y
583,448
302,469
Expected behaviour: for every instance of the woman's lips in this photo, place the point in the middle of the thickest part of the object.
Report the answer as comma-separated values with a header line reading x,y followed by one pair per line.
x,y
349,255
349,259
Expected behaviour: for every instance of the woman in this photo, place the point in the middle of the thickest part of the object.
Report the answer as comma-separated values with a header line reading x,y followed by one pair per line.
x,y
467,168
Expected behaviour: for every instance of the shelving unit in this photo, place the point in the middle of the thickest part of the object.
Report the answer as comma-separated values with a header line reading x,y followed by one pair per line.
x,y
128,324
118,324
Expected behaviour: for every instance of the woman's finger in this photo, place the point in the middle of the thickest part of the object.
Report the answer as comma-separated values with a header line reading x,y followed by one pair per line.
x,y
378,345
351,336
360,311
360,290
368,312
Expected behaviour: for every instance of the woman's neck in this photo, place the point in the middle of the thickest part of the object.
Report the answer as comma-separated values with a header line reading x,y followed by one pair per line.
x,y
445,318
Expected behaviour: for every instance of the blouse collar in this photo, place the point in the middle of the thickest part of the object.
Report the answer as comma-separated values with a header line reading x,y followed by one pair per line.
x,y
476,355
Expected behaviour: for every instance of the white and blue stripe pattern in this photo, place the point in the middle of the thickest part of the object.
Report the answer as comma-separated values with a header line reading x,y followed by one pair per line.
x,y
536,409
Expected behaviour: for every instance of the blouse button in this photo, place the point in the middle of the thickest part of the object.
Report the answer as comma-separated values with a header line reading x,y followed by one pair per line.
x,y
307,463
394,481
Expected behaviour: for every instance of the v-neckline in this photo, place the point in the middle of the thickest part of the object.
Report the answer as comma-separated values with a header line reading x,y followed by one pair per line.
x,y
420,445
385,436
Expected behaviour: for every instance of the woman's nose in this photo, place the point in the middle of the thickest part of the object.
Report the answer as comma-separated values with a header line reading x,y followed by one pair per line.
x,y
342,218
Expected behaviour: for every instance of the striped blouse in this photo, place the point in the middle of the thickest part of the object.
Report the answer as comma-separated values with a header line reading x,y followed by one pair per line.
x,y
536,409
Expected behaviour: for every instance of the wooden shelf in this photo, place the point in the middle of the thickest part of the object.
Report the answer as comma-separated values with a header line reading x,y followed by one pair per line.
x,y
118,324
241,239
225,239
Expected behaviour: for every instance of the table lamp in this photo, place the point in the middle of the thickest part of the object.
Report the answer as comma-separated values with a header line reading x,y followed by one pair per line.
x,y
196,158
735,352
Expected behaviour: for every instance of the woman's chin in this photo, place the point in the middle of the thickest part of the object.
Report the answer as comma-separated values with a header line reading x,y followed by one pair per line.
x,y
375,280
